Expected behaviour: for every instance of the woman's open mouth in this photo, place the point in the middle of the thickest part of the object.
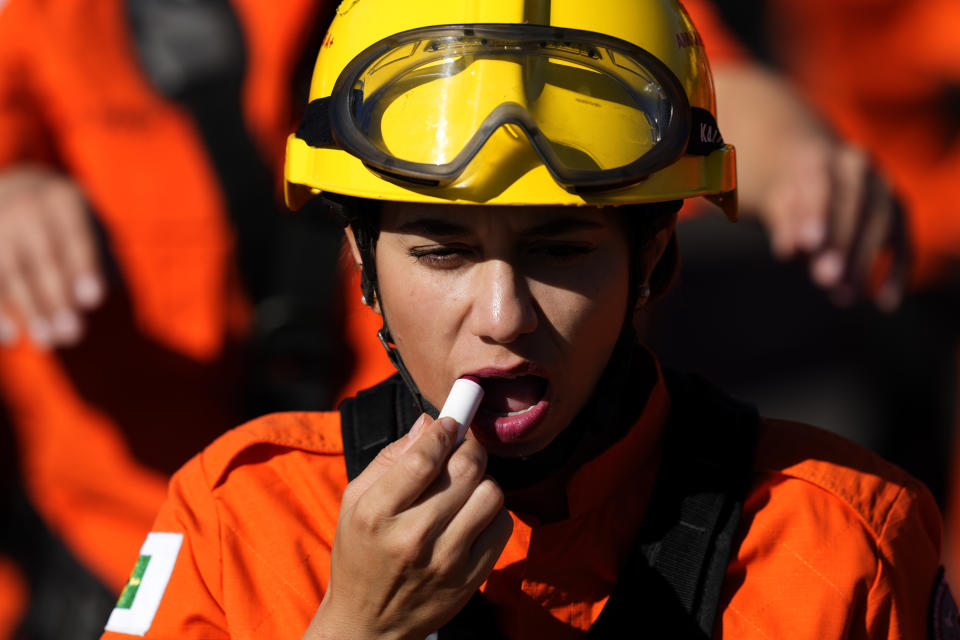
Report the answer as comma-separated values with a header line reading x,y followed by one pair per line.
x,y
512,407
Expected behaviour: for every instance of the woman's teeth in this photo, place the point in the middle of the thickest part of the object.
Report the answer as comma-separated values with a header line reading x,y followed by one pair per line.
x,y
509,397
510,414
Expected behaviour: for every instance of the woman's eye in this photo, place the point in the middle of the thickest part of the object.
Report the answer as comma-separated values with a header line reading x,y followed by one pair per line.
x,y
440,257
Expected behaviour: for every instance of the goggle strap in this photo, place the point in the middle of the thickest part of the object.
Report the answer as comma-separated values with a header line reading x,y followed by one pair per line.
x,y
705,136
315,127
317,131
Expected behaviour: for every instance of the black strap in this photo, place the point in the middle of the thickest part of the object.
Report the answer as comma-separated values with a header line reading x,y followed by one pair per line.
x,y
315,128
673,579
705,135
691,526
373,419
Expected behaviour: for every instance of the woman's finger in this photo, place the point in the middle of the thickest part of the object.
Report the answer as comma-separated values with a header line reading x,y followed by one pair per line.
x,y
488,545
411,471
449,497
473,518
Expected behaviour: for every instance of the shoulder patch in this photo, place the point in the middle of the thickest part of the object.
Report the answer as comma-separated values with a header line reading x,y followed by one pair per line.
x,y
944,618
140,598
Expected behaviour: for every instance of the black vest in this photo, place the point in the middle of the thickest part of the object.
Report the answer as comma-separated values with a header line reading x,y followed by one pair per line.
x,y
671,585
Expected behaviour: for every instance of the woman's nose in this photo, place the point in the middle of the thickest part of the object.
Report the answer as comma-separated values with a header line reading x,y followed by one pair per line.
x,y
503,307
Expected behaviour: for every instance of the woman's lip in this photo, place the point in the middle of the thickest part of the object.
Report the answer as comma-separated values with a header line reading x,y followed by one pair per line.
x,y
523,369
502,428
510,428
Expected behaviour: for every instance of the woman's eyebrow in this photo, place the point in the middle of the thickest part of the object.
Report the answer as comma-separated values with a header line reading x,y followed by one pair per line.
x,y
433,227
561,226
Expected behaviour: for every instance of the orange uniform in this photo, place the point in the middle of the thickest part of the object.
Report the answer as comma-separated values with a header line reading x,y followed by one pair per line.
x,y
835,542
101,426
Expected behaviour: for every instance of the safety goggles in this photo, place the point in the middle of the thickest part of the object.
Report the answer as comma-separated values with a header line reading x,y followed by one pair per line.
x,y
419,106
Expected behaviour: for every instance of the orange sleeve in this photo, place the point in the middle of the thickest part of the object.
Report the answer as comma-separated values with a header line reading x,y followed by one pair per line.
x,y
23,135
908,550
189,604
836,544
809,569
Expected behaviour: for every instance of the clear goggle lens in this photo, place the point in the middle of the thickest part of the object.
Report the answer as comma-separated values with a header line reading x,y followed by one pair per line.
x,y
435,101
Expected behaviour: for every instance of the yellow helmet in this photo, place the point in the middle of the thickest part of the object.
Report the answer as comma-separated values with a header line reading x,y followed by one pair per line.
x,y
537,102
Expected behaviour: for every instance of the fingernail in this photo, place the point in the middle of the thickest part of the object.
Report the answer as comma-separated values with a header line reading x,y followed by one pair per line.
x,y
417,427
449,425
40,333
66,326
827,268
88,291
812,235
8,331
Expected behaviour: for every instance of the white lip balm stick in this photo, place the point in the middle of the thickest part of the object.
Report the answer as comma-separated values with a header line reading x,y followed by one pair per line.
x,y
462,404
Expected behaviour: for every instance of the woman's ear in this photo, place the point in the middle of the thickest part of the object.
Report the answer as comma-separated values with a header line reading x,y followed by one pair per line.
x,y
658,260
358,261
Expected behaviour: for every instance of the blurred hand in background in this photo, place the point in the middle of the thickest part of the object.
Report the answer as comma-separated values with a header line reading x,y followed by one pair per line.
x,y
817,196
49,271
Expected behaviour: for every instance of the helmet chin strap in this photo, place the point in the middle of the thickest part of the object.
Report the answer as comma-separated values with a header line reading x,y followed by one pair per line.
x,y
387,341
370,287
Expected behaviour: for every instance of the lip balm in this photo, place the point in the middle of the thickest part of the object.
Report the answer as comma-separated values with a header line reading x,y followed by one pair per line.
x,y
462,403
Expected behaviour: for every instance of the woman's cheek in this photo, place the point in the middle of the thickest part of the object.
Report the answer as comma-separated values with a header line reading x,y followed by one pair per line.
x,y
422,318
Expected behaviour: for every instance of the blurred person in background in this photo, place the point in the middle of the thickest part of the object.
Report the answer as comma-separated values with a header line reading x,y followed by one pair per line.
x,y
151,293
847,117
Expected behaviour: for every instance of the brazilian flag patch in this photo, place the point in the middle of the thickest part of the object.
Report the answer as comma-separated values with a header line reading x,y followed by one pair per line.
x,y
129,592
140,598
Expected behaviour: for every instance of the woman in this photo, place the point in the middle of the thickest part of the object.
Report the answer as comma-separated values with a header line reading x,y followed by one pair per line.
x,y
475,165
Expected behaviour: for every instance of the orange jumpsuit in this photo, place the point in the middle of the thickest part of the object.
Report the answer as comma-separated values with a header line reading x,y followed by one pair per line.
x,y
101,426
835,542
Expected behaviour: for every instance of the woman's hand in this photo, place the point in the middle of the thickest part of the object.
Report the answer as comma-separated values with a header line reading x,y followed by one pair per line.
x,y
49,273
419,531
